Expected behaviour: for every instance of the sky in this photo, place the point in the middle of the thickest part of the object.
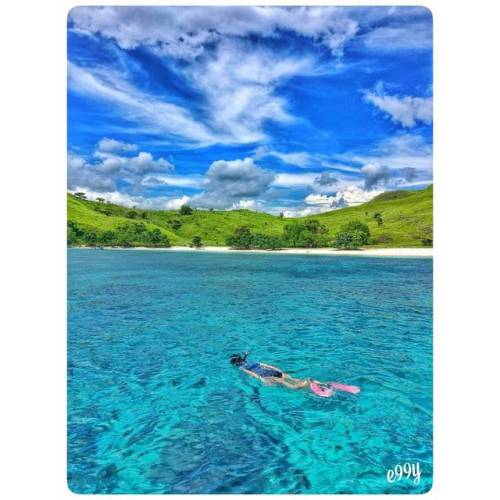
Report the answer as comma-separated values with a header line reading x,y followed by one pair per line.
x,y
283,110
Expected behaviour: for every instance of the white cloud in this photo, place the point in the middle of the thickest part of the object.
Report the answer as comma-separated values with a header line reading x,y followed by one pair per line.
x,y
295,180
319,199
396,153
375,174
326,179
239,82
406,110
191,29
127,200
102,175
237,78
411,36
174,181
228,182
348,197
137,106
176,203
301,159
106,145
245,205
308,181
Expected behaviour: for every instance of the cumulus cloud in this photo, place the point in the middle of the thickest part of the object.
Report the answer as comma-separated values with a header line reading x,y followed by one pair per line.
x,y
128,200
228,182
405,110
103,174
348,197
246,205
320,203
326,179
409,174
375,174
84,176
295,180
181,181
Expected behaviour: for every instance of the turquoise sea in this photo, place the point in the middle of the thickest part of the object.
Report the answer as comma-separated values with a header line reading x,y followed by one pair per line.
x,y
154,405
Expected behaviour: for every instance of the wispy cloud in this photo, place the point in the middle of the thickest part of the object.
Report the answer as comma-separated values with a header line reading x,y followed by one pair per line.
x,y
408,111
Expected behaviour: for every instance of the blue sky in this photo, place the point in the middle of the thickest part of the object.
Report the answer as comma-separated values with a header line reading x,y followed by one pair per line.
x,y
295,110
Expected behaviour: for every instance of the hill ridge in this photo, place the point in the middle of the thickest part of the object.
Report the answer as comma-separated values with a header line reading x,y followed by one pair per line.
x,y
405,220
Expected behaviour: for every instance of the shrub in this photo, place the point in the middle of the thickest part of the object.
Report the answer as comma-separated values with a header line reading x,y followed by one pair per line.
x,y
378,217
196,242
175,224
185,210
265,242
352,235
157,238
242,238
310,234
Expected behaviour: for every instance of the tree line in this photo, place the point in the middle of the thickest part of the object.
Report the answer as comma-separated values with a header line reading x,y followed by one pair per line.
x,y
308,234
126,235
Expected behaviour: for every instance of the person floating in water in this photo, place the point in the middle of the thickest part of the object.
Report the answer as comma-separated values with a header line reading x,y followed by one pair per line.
x,y
268,374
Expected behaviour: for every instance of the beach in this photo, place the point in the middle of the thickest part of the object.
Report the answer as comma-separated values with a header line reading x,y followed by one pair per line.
x,y
368,252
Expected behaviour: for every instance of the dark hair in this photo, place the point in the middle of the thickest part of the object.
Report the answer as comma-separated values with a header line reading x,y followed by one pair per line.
x,y
236,359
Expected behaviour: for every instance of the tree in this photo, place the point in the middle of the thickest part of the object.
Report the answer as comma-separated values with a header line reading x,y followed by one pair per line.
x,y
352,235
185,210
131,214
91,238
176,224
107,237
241,238
196,242
81,195
266,242
315,227
306,235
100,200
282,214
378,217
144,215
157,238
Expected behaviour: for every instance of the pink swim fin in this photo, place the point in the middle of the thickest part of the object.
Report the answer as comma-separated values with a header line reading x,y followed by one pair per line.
x,y
346,388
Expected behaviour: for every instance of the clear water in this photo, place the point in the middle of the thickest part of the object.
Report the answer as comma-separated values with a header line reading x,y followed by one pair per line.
x,y
154,405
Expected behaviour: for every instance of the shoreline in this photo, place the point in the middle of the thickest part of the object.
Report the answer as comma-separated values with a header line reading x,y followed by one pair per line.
x,y
367,252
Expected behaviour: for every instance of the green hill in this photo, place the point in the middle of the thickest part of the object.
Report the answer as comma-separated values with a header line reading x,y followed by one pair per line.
x,y
405,221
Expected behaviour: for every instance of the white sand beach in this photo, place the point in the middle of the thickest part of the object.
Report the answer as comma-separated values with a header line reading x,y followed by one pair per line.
x,y
368,252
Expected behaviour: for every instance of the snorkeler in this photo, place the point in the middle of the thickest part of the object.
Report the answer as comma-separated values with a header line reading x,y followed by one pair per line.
x,y
268,374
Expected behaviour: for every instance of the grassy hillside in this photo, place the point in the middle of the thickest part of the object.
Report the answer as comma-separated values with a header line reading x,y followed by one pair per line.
x,y
406,222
